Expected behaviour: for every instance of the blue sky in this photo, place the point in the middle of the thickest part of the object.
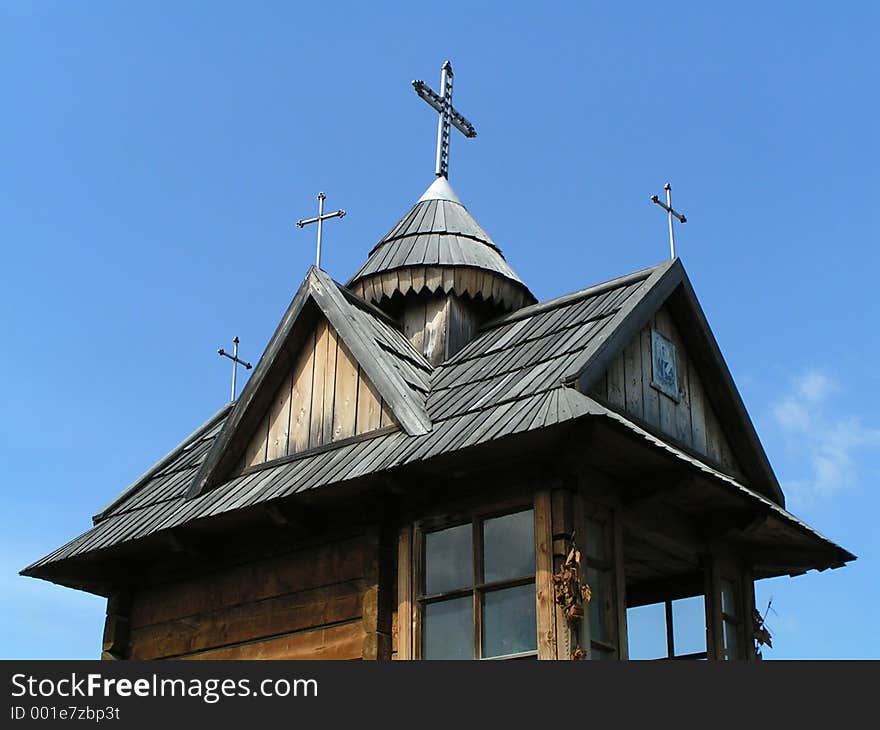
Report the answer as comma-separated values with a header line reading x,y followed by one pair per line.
x,y
155,157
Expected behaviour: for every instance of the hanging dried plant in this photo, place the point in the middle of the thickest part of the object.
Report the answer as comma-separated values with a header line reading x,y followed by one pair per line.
x,y
571,594
760,631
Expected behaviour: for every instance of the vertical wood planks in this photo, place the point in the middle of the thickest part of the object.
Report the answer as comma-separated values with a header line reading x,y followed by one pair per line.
x,y
698,411
330,384
279,420
436,311
301,398
346,397
256,450
369,406
616,385
414,324
325,397
405,596
691,421
316,429
650,396
632,373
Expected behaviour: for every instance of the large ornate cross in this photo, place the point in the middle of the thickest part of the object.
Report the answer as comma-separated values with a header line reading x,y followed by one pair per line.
x,y
449,116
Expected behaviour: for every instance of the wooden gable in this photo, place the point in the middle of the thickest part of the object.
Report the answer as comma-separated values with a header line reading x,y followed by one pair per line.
x,y
691,420
325,397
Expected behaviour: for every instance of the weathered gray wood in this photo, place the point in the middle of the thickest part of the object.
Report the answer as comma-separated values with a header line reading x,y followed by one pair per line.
x,y
279,420
650,395
436,320
345,407
301,397
632,373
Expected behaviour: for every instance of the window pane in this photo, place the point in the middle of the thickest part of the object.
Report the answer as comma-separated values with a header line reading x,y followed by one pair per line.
x,y
600,606
449,559
731,645
689,625
509,624
646,631
596,544
509,547
728,598
448,629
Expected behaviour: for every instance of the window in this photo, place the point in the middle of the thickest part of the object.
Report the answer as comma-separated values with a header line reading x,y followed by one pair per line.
x,y
599,565
477,589
674,629
730,619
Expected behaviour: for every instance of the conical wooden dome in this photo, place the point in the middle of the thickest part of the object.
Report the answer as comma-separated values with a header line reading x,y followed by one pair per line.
x,y
437,247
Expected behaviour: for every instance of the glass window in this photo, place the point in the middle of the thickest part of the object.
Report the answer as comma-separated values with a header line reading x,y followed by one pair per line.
x,y
478,589
730,618
689,625
646,631
599,574
509,546
448,629
448,559
674,629
509,623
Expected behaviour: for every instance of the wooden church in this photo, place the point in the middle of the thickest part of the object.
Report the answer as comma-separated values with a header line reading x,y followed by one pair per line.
x,y
428,463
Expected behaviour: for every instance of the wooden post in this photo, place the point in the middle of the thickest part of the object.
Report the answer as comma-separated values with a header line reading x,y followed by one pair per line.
x,y
714,628
561,507
620,584
546,607
116,626
405,593
377,597
748,591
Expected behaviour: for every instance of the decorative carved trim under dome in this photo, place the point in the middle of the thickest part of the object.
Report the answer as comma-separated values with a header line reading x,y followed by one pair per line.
x,y
462,281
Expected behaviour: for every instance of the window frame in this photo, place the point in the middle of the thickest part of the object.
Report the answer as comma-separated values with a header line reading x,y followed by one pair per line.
x,y
478,588
588,511
735,621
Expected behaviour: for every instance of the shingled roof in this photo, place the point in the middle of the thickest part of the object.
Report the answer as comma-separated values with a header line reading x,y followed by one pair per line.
x,y
523,372
439,233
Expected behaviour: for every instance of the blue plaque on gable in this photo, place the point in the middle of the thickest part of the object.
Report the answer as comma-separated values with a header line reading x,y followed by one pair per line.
x,y
664,374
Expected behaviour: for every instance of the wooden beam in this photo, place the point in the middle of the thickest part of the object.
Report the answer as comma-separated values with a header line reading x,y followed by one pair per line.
x,y
544,595
562,510
116,626
378,596
405,597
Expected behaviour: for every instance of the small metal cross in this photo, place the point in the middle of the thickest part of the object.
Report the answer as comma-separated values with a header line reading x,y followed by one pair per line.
x,y
442,103
671,213
235,363
320,221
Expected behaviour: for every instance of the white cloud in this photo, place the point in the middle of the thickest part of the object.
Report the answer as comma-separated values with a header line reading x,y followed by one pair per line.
x,y
823,442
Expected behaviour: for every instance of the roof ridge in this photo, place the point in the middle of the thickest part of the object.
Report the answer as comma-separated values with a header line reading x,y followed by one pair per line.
x,y
564,299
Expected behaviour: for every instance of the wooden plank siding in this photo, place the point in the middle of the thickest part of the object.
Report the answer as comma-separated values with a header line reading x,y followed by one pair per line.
x,y
306,604
439,325
325,397
691,420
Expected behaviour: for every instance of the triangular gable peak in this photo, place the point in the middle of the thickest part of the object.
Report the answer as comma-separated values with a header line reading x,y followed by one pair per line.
x,y
325,397
655,380
321,322
668,306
